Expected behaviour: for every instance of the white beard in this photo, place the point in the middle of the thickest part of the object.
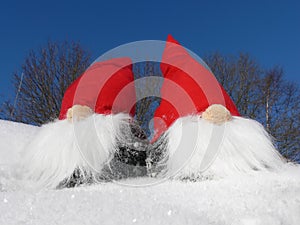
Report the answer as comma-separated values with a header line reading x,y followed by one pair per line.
x,y
198,149
61,147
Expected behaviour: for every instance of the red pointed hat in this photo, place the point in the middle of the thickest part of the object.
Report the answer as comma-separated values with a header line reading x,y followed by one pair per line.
x,y
189,88
106,87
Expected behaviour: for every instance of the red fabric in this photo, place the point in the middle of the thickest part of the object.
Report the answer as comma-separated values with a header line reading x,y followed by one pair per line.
x,y
106,87
188,88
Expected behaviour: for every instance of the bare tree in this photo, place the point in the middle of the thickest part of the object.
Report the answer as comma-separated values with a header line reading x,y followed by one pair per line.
x,y
43,79
240,78
281,100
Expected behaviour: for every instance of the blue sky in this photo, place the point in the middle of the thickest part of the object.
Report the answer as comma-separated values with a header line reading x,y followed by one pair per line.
x,y
267,30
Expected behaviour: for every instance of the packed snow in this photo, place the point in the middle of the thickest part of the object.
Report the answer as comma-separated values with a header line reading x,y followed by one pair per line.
x,y
261,198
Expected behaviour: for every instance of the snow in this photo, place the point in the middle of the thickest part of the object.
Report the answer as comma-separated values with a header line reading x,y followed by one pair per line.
x,y
13,137
261,198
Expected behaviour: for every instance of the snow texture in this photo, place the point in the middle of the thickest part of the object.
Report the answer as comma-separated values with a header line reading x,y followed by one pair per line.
x,y
266,198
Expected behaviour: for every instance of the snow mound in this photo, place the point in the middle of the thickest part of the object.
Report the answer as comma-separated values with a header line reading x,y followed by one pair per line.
x,y
13,137
261,198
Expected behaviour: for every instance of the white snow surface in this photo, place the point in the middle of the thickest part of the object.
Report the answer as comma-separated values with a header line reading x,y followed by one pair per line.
x,y
260,198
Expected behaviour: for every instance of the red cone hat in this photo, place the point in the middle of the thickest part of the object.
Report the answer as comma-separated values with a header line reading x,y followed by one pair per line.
x,y
189,88
100,86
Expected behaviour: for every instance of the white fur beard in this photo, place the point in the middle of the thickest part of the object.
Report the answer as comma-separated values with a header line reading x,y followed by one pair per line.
x,y
61,147
198,149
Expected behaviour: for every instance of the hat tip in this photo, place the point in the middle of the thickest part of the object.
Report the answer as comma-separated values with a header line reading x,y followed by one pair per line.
x,y
171,39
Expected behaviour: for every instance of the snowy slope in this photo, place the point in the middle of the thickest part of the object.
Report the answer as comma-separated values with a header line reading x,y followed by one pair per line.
x,y
261,199
13,136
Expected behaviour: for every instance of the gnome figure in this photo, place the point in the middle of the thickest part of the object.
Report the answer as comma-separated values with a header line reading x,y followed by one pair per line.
x,y
95,124
203,133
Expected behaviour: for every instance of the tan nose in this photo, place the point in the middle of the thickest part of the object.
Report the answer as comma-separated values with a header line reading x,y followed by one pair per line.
x,y
216,114
78,112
